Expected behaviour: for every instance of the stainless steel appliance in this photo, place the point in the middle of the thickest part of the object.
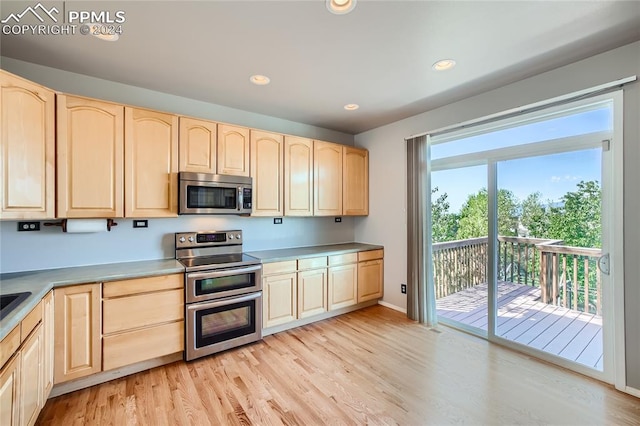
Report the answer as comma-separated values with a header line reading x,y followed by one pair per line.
x,y
204,193
223,292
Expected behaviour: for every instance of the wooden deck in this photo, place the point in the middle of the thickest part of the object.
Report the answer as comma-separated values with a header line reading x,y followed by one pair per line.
x,y
522,318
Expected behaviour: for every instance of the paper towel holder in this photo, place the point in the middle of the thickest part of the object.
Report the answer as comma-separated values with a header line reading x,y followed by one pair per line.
x,y
63,223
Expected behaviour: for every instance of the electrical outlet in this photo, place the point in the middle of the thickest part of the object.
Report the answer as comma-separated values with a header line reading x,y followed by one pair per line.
x,y
28,226
338,219
277,221
403,288
140,223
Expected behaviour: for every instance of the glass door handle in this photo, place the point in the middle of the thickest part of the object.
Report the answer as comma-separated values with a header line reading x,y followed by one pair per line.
x,y
604,264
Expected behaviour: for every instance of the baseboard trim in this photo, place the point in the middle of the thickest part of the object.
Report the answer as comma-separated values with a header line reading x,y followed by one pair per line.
x,y
394,307
320,317
632,391
105,376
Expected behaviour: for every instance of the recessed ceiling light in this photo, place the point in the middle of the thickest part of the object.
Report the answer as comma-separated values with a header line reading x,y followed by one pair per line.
x,y
351,107
444,64
340,7
260,80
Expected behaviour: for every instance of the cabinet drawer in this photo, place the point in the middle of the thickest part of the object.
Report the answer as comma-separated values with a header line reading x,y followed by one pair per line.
x,y
126,313
140,345
370,255
31,321
343,259
142,285
279,267
312,263
9,345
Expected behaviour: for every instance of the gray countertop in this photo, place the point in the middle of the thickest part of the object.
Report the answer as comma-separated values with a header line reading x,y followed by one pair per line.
x,y
40,282
278,255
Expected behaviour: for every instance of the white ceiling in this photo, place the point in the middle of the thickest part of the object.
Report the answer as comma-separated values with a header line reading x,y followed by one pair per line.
x,y
379,56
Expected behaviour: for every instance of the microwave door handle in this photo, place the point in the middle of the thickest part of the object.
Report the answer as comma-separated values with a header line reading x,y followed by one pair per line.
x,y
240,198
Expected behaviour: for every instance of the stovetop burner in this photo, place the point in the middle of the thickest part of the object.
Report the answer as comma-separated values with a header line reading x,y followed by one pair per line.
x,y
210,250
218,261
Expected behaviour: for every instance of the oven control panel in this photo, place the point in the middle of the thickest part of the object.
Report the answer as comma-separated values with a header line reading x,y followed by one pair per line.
x,y
208,239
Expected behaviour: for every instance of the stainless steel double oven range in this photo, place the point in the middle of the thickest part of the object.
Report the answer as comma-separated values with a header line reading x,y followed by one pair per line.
x,y
223,292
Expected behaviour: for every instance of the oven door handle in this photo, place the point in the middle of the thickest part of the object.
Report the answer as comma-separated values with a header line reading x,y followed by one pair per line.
x,y
223,302
223,272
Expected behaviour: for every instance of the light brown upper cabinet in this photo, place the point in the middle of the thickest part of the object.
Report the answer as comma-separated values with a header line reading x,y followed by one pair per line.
x,y
355,181
298,176
151,163
267,155
90,151
197,145
327,179
233,150
27,143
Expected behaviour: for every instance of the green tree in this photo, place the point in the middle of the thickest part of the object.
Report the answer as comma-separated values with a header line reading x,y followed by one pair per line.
x,y
577,221
474,215
444,223
534,216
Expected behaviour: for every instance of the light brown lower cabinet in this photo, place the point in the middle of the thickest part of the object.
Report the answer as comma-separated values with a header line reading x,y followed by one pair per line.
x,y
127,348
343,286
48,331
31,379
78,352
312,292
23,379
280,297
143,319
370,275
10,391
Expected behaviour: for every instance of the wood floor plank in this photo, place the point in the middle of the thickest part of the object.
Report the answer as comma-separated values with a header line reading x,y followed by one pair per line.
x,y
372,366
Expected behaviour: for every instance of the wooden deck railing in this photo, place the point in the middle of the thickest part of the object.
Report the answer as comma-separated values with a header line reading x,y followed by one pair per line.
x,y
567,276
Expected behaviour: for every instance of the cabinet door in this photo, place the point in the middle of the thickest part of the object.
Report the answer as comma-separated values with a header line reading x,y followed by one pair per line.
x,y
298,176
197,145
78,351
279,299
327,179
47,344
267,152
31,379
233,150
27,143
151,164
89,154
312,292
355,182
10,392
343,286
370,280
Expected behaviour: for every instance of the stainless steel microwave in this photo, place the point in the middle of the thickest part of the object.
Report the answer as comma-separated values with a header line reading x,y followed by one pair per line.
x,y
204,193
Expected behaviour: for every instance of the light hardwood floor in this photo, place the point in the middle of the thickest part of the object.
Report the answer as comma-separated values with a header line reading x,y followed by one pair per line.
x,y
371,366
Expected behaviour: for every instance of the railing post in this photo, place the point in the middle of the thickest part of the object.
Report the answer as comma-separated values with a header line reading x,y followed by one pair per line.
x,y
543,278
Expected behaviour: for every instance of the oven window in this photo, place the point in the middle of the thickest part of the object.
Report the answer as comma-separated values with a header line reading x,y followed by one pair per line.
x,y
228,282
210,197
225,322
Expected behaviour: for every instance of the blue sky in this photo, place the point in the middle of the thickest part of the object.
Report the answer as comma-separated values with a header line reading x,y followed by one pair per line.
x,y
551,175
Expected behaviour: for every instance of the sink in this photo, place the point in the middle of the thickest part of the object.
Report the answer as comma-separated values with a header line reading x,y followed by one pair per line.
x,y
8,302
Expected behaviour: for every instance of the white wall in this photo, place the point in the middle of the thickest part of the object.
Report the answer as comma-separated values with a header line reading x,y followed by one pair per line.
x,y
50,248
386,223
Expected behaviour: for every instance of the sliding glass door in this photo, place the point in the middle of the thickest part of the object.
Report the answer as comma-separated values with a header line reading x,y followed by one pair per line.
x,y
521,230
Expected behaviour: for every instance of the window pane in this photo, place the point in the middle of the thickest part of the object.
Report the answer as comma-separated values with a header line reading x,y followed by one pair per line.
x,y
595,120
